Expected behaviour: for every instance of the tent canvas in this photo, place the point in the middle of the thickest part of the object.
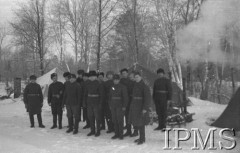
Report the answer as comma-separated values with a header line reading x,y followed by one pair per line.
x,y
230,118
45,80
149,77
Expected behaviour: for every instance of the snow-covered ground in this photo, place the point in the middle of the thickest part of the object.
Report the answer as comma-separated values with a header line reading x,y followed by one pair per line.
x,y
17,137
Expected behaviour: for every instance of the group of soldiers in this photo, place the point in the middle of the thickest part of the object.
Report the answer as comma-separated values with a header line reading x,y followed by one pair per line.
x,y
88,97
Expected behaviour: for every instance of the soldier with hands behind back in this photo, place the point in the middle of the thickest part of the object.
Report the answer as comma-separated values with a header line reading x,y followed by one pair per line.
x,y
33,99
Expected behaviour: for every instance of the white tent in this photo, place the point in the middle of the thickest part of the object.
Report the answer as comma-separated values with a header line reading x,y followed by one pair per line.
x,y
45,80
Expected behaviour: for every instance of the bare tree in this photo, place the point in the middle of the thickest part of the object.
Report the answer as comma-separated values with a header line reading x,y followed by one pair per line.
x,y
58,24
30,28
106,21
70,8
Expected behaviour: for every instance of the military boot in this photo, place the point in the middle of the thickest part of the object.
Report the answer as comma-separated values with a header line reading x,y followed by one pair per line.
x,y
54,122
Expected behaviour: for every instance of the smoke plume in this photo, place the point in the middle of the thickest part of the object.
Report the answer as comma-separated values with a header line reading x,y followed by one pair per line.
x,y
201,39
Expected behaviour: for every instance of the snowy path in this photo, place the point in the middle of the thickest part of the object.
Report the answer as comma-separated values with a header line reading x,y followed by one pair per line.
x,y
17,137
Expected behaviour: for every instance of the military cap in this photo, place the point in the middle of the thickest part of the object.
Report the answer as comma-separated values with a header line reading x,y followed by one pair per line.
x,y
33,77
101,73
92,73
66,74
109,73
73,76
160,70
124,70
80,72
116,77
53,75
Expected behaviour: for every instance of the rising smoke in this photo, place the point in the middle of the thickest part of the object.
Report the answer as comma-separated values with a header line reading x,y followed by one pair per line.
x,y
201,39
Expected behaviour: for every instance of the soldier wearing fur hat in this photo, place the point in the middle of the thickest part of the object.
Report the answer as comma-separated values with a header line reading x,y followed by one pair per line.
x,y
162,94
33,99
129,84
118,101
67,76
93,101
138,111
72,99
106,112
79,80
85,116
55,95
100,76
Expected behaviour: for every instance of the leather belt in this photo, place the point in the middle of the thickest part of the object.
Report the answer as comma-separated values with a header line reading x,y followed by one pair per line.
x,y
116,98
33,94
92,95
55,95
161,91
138,98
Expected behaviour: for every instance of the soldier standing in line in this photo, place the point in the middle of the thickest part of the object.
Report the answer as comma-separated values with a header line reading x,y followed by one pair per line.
x,y
80,81
94,94
162,94
139,107
105,108
85,116
118,101
33,99
129,85
100,77
67,76
72,99
55,95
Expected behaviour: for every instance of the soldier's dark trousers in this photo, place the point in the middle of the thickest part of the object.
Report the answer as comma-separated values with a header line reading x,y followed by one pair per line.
x,y
73,117
142,133
39,117
59,118
118,117
108,116
94,115
103,117
161,109
80,114
57,114
126,120
85,116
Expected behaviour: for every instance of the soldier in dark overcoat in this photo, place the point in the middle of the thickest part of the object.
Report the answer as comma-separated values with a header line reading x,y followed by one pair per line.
x,y
129,85
85,116
138,112
72,99
118,101
33,99
105,108
67,76
80,80
94,97
162,95
55,96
